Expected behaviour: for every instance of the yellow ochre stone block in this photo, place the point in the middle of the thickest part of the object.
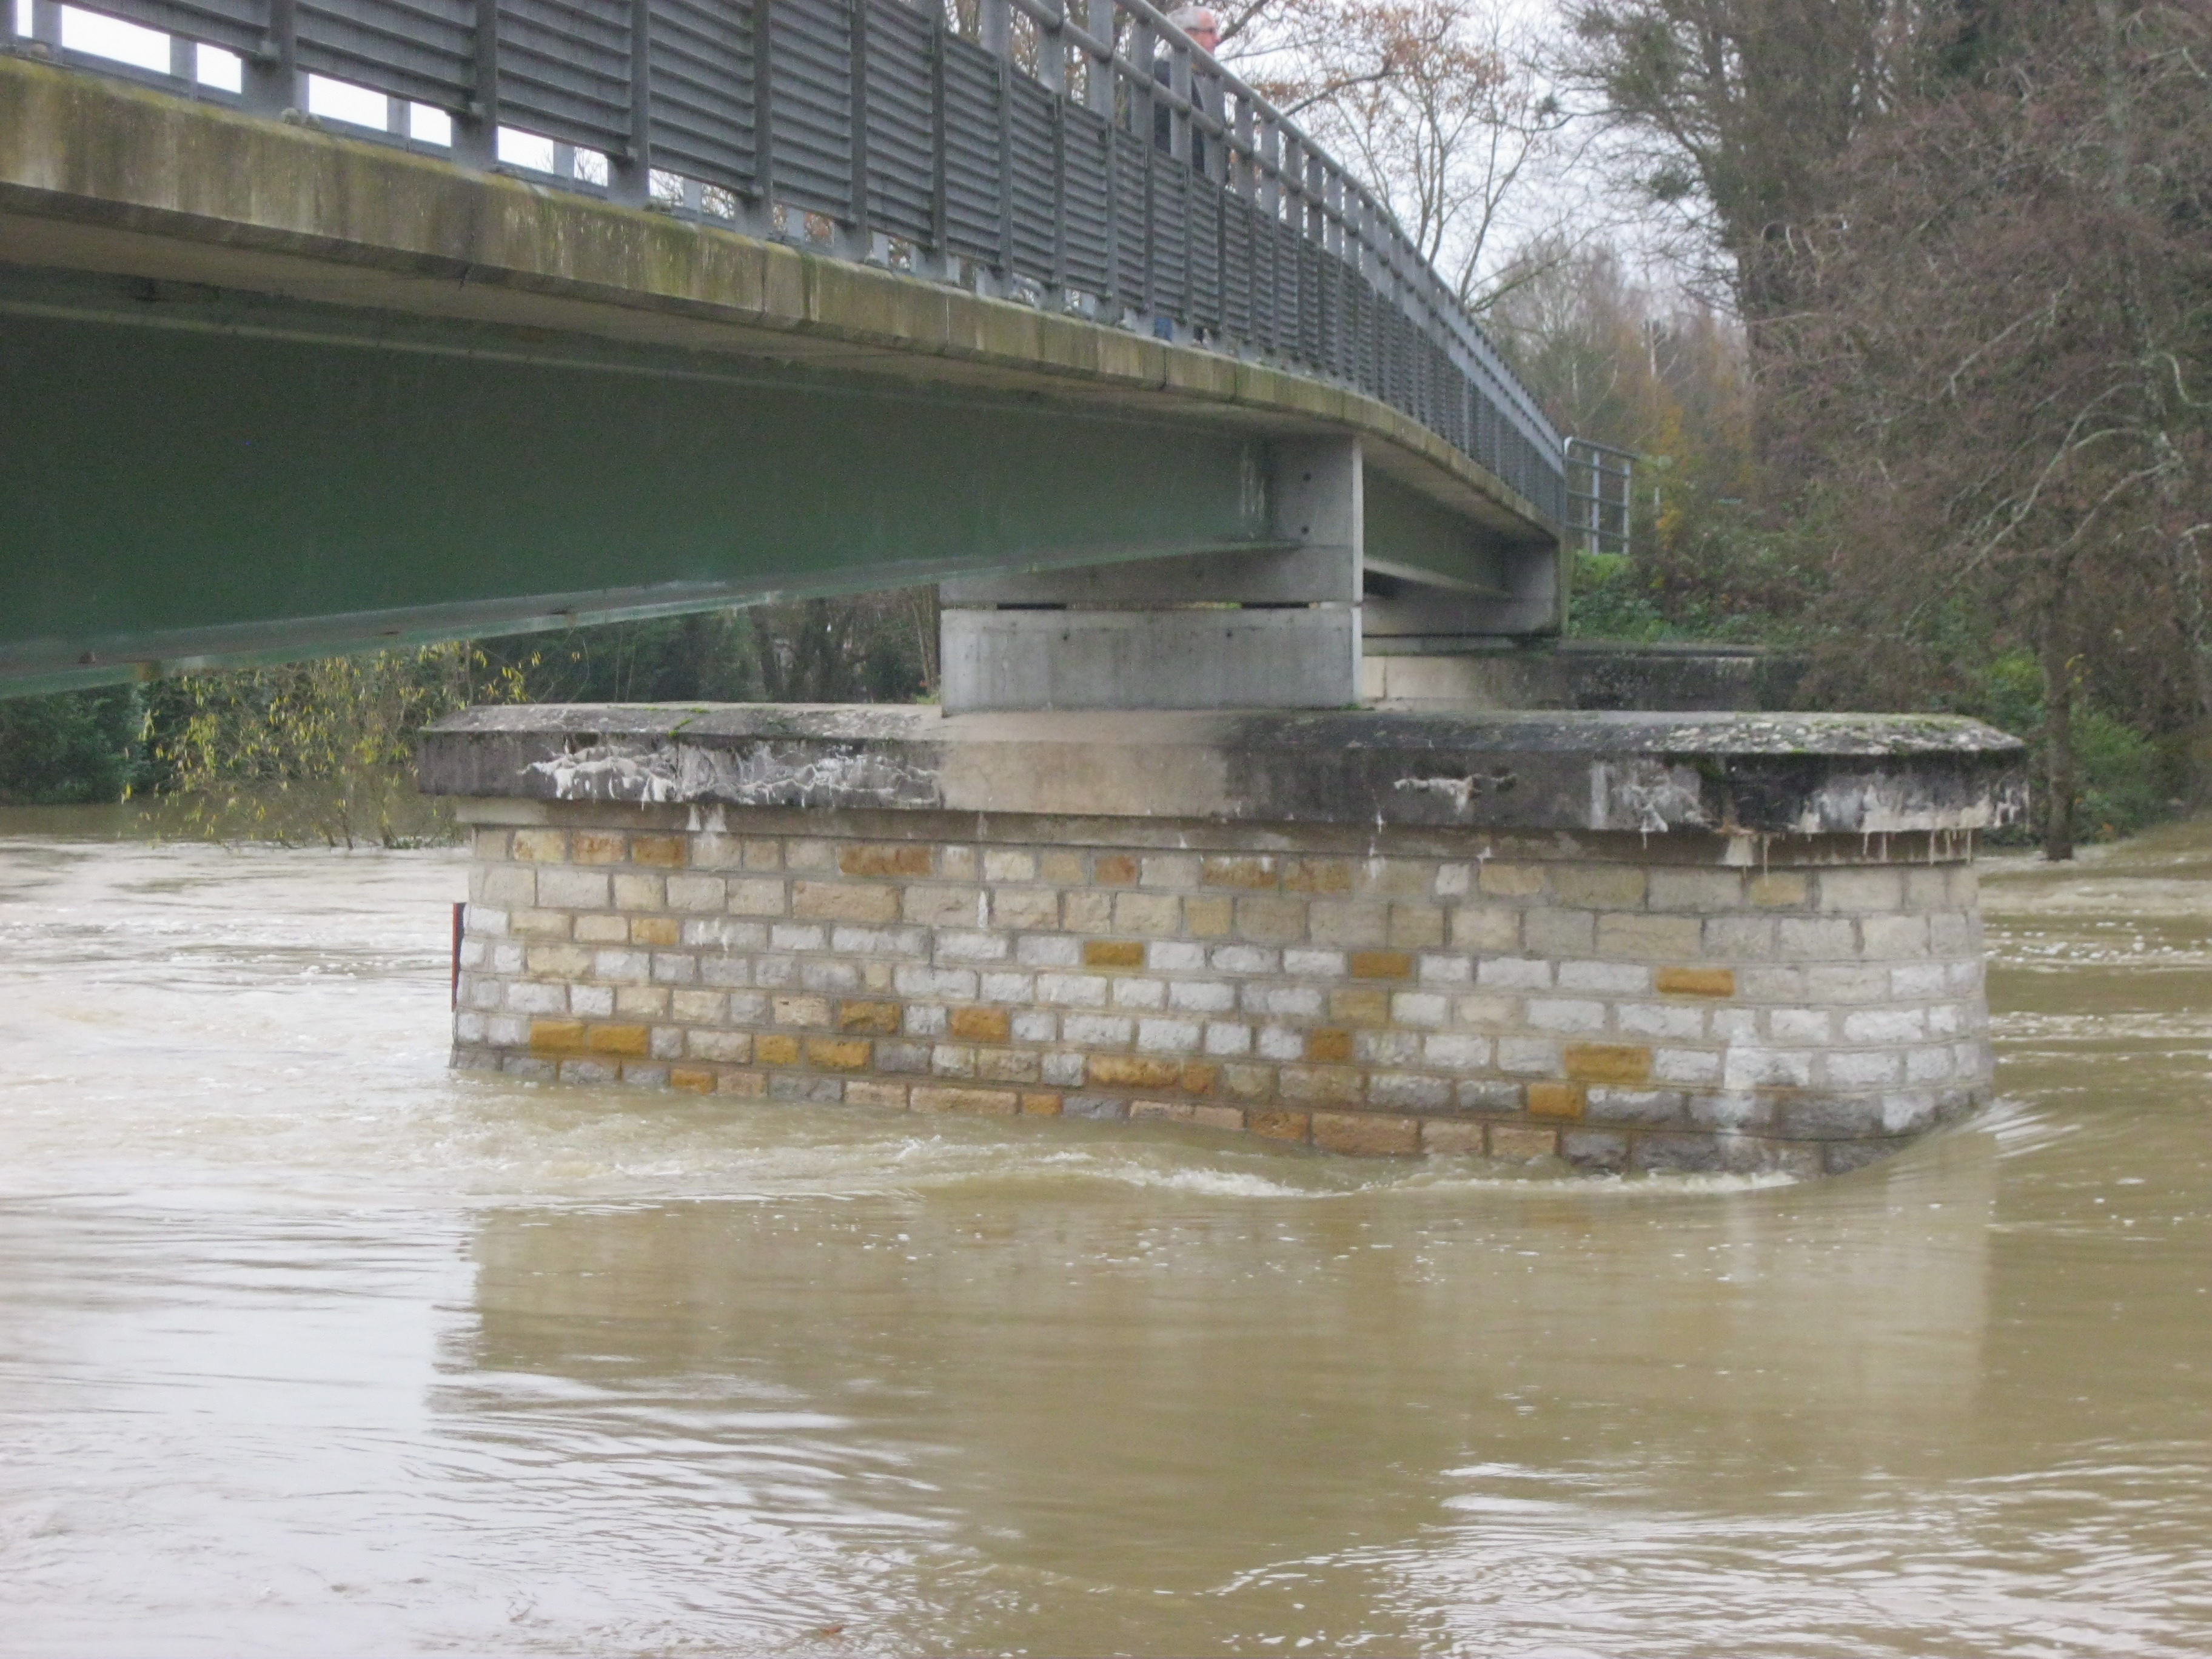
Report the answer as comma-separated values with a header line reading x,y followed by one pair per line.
x,y
559,1036
1451,1137
1555,1099
1695,982
1113,953
541,846
1206,918
1317,876
989,1103
1779,891
697,1079
656,930
630,1040
600,847
1279,1126
776,1050
1523,1141
1366,1135
979,1025
833,900
666,851
1360,1007
1133,1072
1199,1077
1510,880
861,1092
840,1053
1115,870
1381,965
882,1017
1040,1104
1328,1043
1255,872
876,859
1607,1062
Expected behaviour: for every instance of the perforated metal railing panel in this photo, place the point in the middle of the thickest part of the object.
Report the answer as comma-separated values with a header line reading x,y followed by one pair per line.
x,y
882,119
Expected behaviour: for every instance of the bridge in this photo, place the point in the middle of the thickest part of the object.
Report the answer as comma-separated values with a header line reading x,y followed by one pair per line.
x,y
340,322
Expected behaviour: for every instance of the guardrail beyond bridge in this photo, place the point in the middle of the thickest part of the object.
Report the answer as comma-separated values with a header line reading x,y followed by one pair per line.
x,y
919,292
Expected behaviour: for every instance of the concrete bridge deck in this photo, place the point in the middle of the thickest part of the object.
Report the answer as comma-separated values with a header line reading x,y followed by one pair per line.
x,y
274,390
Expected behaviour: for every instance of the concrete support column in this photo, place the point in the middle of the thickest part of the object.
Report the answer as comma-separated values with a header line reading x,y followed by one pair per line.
x,y
1269,627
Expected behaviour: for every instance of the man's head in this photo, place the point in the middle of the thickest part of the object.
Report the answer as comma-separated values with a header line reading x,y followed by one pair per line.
x,y
1199,23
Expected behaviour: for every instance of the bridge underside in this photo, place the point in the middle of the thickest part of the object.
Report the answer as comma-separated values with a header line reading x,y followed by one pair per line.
x,y
272,393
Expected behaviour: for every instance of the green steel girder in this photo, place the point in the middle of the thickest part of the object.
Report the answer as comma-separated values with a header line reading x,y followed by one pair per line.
x,y
195,477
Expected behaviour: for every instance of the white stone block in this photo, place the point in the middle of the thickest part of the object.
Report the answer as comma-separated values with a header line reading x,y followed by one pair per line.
x,y
1557,1014
1010,988
1049,950
1661,1020
1167,1037
1072,990
1245,959
1096,1030
1513,974
1225,1040
1202,996
1621,979
958,984
970,945
1456,1052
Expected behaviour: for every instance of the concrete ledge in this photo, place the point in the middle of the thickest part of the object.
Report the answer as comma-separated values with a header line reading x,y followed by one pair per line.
x,y
1738,776
1447,673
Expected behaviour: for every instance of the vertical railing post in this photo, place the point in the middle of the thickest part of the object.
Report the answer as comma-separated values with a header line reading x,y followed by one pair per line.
x,y
1244,170
1270,180
938,229
476,129
994,25
1142,112
1052,51
269,83
629,176
184,52
764,120
1098,74
1179,122
860,239
1100,82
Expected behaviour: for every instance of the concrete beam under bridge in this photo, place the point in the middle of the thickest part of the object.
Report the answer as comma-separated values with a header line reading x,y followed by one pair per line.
x,y
273,393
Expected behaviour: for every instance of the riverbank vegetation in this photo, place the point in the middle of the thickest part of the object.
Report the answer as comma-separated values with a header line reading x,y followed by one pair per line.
x,y
1904,306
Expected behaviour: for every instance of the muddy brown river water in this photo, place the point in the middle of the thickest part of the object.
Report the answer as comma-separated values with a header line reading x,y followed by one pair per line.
x,y
307,1346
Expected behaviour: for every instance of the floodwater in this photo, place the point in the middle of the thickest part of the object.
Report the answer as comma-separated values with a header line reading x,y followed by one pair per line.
x,y
307,1346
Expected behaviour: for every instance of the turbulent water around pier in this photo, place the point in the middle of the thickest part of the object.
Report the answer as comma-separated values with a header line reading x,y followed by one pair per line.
x,y
308,1346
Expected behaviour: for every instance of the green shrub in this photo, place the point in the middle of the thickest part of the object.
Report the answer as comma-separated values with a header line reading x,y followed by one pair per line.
x,y
71,749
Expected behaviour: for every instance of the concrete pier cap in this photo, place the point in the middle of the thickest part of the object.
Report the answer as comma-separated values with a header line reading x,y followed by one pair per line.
x,y
1620,941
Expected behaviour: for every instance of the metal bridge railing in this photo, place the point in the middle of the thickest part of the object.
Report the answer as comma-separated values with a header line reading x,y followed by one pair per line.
x,y
1600,491
1086,157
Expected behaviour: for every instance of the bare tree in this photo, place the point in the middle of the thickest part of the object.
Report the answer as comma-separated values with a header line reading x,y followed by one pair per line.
x,y
1732,112
1439,105
2000,369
